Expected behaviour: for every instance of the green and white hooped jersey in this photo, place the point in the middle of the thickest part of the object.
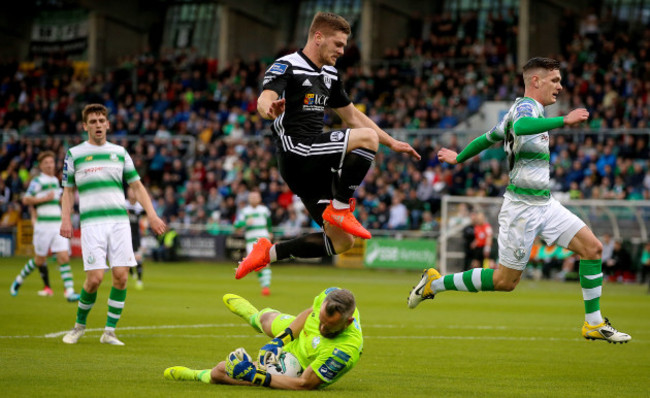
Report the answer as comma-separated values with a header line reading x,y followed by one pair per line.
x,y
47,213
256,222
528,155
98,173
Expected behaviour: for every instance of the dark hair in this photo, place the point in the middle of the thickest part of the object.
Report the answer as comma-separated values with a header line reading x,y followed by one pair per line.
x,y
342,301
93,108
328,23
541,63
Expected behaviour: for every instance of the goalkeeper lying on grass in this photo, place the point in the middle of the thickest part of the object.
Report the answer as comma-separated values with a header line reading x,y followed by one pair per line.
x,y
326,339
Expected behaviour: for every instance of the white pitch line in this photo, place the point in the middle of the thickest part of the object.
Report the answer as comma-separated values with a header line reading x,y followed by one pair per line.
x,y
370,336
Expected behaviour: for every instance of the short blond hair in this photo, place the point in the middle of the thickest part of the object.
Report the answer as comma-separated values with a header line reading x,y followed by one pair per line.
x,y
328,23
45,154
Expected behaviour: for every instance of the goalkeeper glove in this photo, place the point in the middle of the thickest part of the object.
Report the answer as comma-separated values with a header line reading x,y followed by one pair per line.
x,y
240,366
270,352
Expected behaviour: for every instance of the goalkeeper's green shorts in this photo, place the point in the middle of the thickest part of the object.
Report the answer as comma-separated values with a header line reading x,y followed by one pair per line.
x,y
281,322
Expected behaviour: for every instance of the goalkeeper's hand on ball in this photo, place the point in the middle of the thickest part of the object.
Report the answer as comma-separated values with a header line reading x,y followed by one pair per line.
x,y
240,366
270,352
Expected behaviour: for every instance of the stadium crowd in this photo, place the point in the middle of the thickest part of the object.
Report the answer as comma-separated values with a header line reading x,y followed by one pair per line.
x,y
153,99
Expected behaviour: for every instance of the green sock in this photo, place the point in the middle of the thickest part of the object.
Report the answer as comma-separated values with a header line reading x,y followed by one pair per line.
x,y
27,269
591,282
474,280
66,275
86,302
115,306
204,376
264,276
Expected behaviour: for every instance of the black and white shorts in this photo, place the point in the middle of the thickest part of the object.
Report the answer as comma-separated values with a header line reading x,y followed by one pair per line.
x,y
311,165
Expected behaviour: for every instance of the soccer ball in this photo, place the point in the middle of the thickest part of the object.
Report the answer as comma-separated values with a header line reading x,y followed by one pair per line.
x,y
286,365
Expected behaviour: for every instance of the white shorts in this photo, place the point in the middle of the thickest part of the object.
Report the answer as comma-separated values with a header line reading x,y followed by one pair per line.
x,y
46,237
103,242
520,224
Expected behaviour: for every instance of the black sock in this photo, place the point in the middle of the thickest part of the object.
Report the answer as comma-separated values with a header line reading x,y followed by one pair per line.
x,y
308,246
355,167
138,269
44,275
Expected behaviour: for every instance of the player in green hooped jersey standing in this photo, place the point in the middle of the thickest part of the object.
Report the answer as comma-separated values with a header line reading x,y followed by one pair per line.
x,y
97,169
255,218
326,339
43,194
528,208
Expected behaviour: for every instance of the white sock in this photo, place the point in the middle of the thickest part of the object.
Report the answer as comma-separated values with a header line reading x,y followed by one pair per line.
x,y
272,254
338,205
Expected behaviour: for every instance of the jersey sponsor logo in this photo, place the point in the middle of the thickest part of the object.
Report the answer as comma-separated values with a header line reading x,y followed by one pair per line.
x,y
278,68
544,137
328,81
306,83
89,158
336,136
314,102
92,170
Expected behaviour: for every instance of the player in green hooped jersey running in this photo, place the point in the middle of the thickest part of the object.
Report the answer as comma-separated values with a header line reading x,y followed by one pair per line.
x,y
255,219
326,339
528,208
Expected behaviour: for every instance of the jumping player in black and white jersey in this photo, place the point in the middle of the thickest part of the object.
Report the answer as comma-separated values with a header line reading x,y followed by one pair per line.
x,y
135,211
322,168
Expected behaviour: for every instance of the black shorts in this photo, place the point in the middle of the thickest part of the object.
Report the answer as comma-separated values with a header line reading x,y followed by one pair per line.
x,y
310,166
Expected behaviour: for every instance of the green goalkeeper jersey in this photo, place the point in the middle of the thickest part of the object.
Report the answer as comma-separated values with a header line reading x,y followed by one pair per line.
x,y
329,358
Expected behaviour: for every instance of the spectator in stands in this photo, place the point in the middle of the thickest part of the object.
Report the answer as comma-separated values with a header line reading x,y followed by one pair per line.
x,y
645,262
619,267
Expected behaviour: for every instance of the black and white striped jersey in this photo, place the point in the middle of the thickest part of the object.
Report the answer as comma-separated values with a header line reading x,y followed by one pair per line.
x,y
307,90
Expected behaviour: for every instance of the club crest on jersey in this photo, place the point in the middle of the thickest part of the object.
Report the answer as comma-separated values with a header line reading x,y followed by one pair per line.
x,y
520,253
336,136
328,81
114,157
278,68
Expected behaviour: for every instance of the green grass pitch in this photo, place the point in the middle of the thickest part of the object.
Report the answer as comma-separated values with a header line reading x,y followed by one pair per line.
x,y
523,343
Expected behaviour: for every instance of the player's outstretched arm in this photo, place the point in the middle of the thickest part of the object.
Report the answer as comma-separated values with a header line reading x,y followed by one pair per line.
x,y
474,148
534,125
354,118
307,381
142,196
67,201
269,106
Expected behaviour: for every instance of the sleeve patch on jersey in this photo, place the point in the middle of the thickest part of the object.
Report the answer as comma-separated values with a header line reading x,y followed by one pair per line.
x,y
341,355
278,68
334,365
525,110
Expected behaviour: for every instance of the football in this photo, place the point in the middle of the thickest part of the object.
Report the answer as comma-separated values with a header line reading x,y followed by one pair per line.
x,y
286,365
